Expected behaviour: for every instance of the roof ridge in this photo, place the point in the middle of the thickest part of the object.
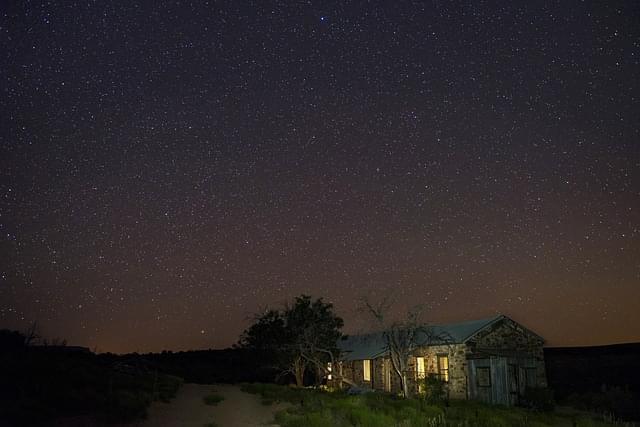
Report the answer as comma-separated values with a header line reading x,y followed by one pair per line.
x,y
486,320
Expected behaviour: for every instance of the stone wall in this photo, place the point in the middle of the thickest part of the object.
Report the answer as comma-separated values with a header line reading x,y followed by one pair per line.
x,y
377,375
504,338
358,374
457,385
353,370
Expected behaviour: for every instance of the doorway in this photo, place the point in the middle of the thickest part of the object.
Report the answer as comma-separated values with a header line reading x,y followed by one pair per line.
x,y
386,374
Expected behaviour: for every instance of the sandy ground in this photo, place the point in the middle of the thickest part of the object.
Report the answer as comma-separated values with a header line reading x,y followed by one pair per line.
x,y
238,409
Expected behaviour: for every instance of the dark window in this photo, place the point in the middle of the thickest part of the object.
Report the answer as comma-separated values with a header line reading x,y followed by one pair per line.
x,y
512,376
483,376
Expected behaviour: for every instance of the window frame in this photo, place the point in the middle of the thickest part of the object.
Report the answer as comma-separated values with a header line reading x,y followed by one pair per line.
x,y
443,374
421,374
366,370
488,376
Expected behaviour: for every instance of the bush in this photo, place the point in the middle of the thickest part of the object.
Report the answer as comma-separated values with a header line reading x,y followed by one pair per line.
x,y
128,405
212,399
168,387
539,399
435,392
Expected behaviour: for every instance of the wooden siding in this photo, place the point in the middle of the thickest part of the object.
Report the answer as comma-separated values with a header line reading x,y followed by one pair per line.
x,y
508,379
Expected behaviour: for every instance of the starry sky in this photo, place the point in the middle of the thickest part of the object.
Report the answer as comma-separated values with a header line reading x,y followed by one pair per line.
x,y
169,168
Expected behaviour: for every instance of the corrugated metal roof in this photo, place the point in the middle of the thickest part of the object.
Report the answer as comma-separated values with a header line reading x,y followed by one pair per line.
x,y
370,346
359,347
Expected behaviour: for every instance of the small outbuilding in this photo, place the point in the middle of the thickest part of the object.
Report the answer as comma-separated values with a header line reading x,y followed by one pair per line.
x,y
492,360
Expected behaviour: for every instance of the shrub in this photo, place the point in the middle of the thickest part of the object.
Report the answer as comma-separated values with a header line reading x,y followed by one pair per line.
x,y
538,399
212,399
435,392
128,405
168,386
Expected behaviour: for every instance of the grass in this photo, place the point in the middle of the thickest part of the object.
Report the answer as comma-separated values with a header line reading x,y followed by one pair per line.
x,y
211,424
314,408
212,399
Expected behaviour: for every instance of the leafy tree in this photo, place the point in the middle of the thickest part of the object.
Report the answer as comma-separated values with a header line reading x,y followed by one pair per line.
x,y
315,330
302,334
266,333
270,336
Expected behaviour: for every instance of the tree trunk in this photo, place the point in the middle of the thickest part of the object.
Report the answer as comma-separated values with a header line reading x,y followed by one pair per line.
x,y
298,368
400,367
405,386
319,375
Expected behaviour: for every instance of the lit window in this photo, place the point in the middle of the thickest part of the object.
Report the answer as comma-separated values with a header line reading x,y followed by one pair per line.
x,y
329,377
420,371
443,367
366,369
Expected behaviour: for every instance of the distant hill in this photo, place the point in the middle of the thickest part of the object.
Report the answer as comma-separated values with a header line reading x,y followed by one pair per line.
x,y
584,369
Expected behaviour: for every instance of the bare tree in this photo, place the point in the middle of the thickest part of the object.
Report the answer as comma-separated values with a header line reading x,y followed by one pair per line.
x,y
402,337
324,358
32,334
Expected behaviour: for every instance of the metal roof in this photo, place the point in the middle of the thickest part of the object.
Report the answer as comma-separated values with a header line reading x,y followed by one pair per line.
x,y
370,346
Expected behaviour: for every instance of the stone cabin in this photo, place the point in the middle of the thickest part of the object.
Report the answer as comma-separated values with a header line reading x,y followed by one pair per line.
x,y
491,360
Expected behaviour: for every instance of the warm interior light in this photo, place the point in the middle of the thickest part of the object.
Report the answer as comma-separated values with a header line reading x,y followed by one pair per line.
x,y
366,369
420,367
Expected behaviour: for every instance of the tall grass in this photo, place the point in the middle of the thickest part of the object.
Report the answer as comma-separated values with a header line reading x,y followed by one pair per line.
x,y
314,408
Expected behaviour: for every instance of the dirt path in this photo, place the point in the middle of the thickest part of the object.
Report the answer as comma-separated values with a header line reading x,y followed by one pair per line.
x,y
238,409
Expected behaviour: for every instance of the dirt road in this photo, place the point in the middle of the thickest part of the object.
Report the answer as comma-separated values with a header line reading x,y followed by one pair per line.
x,y
238,409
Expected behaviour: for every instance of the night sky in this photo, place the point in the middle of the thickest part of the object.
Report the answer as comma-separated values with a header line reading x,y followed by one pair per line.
x,y
169,168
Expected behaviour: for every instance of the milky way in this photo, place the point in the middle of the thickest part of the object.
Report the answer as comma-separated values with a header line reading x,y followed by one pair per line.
x,y
169,168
